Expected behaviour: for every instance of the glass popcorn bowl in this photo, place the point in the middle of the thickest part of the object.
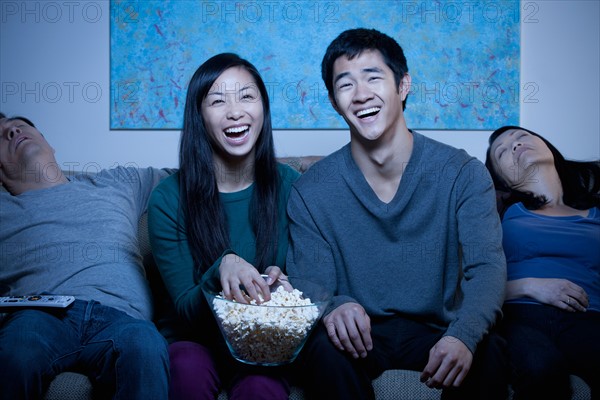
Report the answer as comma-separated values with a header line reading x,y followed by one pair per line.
x,y
266,334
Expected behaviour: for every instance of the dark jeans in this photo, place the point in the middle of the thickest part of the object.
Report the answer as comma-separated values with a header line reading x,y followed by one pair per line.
x,y
546,345
398,343
124,357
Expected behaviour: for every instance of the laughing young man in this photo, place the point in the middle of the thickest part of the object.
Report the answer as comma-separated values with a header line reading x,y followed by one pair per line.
x,y
404,231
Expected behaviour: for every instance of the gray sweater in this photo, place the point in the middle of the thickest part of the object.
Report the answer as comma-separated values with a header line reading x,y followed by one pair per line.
x,y
79,239
433,253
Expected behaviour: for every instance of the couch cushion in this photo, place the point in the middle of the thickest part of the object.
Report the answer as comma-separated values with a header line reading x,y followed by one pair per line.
x,y
70,386
403,384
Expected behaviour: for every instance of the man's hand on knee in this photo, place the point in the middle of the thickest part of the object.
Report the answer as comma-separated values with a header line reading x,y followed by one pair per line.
x,y
449,362
349,328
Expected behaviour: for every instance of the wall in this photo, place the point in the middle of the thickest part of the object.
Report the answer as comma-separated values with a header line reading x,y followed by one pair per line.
x,y
54,69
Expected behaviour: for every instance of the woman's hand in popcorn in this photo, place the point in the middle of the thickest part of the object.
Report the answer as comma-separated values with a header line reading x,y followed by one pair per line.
x,y
236,272
275,275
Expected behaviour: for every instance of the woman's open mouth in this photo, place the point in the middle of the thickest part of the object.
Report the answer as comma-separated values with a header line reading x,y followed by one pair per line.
x,y
237,134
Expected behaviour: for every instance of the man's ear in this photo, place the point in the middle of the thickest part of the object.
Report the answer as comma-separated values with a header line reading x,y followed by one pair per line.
x,y
404,87
334,104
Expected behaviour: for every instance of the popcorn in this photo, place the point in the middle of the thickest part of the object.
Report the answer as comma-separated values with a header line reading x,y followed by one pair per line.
x,y
269,333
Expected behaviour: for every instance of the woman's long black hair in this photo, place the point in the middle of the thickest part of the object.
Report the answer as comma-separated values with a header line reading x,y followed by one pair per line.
x,y
200,203
580,180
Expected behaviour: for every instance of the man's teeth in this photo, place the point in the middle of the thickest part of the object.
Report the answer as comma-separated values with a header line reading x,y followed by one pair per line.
x,y
237,129
368,111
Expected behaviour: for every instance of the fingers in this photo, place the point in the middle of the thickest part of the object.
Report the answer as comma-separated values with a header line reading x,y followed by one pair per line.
x,y
349,329
332,332
430,369
561,293
443,376
348,338
283,280
262,288
364,334
238,295
232,291
574,298
247,289
275,275
447,375
256,287
574,304
448,364
581,298
226,289
241,282
567,304
353,340
451,377
249,284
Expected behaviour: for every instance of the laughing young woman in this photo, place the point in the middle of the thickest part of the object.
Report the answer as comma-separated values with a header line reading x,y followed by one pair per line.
x,y
221,215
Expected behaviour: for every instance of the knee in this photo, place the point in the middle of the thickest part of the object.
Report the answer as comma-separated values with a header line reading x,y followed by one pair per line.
x,y
537,368
141,340
25,361
23,350
191,356
18,363
193,372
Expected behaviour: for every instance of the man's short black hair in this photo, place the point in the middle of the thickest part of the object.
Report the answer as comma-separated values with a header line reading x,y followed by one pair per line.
x,y
353,42
26,120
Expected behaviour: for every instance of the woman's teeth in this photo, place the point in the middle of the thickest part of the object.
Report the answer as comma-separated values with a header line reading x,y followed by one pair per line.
x,y
237,131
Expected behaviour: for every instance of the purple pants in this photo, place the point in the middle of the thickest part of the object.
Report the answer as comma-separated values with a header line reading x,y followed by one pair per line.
x,y
194,377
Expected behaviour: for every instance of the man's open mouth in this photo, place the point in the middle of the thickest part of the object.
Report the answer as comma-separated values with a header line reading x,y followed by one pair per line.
x,y
369,112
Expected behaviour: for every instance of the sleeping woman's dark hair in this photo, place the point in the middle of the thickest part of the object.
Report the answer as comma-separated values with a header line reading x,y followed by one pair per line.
x,y
200,202
580,180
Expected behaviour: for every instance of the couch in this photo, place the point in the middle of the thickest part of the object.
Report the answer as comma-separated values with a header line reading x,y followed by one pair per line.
x,y
392,385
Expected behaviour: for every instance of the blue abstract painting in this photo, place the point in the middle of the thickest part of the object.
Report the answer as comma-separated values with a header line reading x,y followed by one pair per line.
x,y
463,57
